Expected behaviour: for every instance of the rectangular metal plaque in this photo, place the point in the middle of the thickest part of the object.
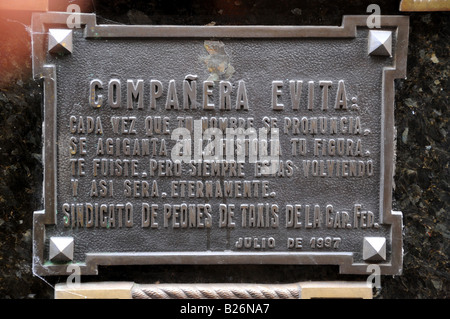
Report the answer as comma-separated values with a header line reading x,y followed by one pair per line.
x,y
218,144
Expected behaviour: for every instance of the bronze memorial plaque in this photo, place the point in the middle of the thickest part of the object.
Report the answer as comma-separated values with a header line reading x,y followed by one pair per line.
x,y
218,144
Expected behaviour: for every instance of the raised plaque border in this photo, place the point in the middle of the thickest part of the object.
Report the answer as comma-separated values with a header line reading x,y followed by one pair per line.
x,y
47,72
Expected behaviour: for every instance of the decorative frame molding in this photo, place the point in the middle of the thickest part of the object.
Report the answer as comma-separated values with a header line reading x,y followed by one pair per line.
x,y
47,72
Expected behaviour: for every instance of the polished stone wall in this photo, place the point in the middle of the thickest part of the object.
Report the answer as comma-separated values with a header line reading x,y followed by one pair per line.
x,y
422,162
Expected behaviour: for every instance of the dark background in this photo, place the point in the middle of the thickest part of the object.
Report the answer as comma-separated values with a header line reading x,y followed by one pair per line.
x,y
422,163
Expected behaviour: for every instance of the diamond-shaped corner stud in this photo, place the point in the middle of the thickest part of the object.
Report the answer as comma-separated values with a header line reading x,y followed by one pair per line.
x,y
380,43
374,249
60,41
61,249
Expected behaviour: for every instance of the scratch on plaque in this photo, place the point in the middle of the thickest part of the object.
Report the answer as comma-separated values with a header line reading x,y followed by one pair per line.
x,y
218,61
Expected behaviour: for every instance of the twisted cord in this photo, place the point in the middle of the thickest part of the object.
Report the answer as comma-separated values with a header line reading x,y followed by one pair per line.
x,y
216,291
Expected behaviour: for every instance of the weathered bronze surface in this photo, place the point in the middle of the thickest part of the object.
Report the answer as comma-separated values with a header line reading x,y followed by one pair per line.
x,y
116,193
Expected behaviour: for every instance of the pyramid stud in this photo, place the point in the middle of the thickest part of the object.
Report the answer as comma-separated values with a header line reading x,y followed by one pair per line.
x,y
380,43
61,249
60,41
374,249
